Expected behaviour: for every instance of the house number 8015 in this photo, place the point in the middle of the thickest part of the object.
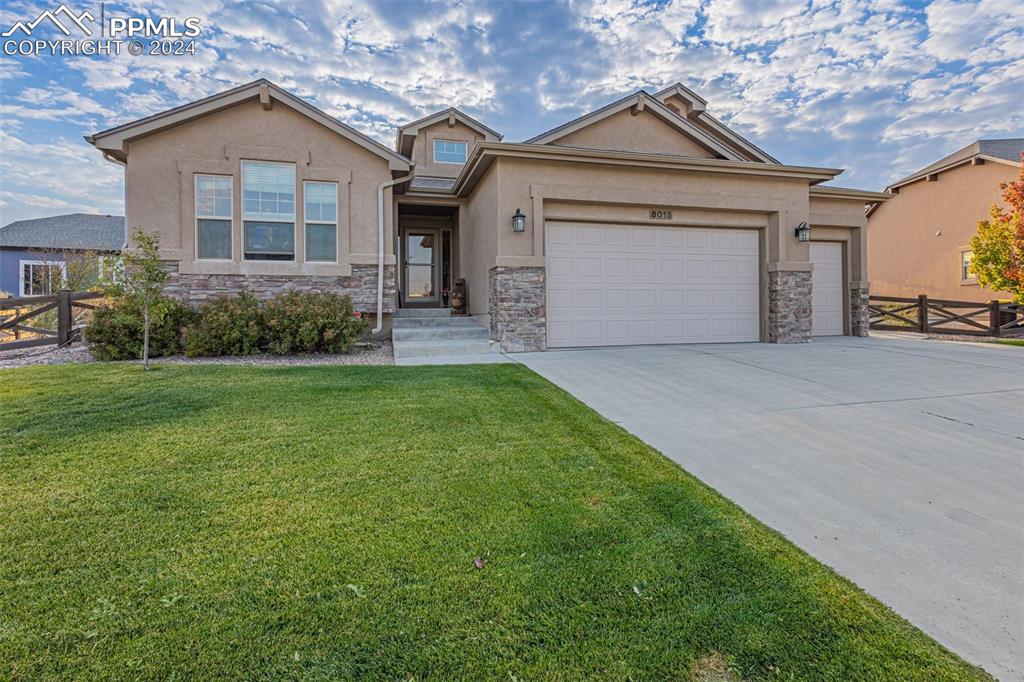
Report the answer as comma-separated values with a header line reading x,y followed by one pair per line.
x,y
657,214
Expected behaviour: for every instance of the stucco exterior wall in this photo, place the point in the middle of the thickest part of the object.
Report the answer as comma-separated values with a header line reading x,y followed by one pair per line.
x,y
478,241
423,148
641,133
630,193
160,194
915,239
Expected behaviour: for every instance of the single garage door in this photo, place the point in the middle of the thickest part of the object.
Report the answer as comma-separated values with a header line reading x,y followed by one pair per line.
x,y
611,285
827,289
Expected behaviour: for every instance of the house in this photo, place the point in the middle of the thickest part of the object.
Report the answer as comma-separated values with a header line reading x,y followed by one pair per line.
x,y
645,221
35,255
920,239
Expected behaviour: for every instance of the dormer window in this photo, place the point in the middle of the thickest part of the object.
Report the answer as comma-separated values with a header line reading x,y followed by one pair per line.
x,y
447,151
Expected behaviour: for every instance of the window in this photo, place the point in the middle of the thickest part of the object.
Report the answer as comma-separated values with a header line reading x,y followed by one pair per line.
x,y
965,267
321,214
110,268
449,152
40,278
213,217
268,210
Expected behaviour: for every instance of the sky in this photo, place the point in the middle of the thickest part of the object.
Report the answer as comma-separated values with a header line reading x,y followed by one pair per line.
x,y
878,87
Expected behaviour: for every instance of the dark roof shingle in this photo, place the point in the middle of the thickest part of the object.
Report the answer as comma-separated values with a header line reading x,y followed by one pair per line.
x,y
1009,149
84,231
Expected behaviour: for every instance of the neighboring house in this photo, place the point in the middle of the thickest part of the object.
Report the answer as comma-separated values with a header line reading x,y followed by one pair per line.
x,y
920,239
34,254
645,221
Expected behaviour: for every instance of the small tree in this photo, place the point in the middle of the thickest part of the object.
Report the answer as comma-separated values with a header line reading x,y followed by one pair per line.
x,y
998,247
140,280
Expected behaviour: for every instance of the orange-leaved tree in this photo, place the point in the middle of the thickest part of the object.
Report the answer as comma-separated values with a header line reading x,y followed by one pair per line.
x,y
999,244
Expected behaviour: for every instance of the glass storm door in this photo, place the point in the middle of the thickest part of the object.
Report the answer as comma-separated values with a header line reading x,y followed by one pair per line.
x,y
420,251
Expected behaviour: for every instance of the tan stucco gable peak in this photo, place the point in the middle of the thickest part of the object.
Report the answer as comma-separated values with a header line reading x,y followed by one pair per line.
x,y
407,133
113,142
639,101
485,153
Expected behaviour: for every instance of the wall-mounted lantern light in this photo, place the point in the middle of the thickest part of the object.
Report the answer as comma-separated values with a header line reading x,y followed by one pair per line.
x,y
803,232
519,222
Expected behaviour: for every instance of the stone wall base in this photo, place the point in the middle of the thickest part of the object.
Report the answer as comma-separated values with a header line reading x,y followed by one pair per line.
x,y
517,308
859,312
361,285
789,307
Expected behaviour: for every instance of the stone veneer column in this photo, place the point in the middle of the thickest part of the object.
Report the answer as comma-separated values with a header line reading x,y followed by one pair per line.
x,y
517,307
361,285
789,306
859,313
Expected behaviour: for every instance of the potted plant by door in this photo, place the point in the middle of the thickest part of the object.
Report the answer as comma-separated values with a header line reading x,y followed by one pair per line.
x,y
458,297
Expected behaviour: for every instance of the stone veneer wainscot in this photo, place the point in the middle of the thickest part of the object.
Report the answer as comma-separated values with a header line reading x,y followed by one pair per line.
x,y
789,306
361,285
860,314
517,308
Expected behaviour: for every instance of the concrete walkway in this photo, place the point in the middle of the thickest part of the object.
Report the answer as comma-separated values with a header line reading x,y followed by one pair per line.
x,y
900,463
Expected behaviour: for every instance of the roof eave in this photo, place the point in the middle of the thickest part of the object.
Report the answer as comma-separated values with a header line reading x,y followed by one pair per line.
x,y
116,139
485,153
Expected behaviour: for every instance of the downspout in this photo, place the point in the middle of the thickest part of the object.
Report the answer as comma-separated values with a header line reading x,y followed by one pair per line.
x,y
380,247
108,157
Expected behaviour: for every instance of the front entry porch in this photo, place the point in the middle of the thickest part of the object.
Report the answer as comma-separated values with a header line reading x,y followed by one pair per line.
x,y
426,254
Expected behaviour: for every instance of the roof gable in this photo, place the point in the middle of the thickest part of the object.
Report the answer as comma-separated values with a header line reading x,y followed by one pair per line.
x,y
407,133
1006,151
113,142
635,131
637,104
691,106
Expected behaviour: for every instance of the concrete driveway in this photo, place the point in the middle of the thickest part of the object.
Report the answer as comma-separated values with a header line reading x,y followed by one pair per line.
x,y
900,463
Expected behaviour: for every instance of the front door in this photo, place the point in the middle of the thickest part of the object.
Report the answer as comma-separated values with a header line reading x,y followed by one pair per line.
x,y
421,250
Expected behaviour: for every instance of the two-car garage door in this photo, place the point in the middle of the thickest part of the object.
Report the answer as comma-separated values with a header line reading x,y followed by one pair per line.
x,y
625,284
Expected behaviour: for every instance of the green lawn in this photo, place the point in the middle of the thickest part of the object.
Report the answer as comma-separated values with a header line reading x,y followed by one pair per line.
x,y
322,523
1011,342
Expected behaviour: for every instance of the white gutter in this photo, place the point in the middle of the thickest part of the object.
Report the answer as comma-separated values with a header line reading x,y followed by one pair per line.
x,y
380,247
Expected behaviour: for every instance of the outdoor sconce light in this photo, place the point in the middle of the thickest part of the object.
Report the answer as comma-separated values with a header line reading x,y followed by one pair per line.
x,y
803,232
519,222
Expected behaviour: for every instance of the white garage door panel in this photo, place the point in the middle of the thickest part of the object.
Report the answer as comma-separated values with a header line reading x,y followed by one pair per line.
x,y
827,289
623,285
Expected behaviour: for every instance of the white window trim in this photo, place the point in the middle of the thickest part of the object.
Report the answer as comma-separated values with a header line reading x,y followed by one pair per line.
x,y
307,221
971,278
230,219
295,212
109,264
21,273
451,163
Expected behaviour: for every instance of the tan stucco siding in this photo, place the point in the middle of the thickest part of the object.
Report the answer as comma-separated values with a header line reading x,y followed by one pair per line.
x,y
630,194
641,133
843,220
159,184
423,148
478,241
915,239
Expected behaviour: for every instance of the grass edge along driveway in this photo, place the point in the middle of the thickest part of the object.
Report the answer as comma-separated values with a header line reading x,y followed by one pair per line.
x,y
325,523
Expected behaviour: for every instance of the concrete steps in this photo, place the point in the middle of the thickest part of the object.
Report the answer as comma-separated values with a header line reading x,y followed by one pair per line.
x,y
433,336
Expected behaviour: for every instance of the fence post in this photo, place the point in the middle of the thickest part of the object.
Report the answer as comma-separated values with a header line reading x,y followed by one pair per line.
x,y
922,313
63,316
994,318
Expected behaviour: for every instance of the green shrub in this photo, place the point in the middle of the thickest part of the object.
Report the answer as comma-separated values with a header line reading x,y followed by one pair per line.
x,y
227,325
115,332
297,322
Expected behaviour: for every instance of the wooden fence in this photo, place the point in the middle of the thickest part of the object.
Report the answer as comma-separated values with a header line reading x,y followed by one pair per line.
x,y
929,315
17,313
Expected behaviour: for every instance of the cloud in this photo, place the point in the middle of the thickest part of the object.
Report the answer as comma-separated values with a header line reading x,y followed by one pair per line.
x,y
878,86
